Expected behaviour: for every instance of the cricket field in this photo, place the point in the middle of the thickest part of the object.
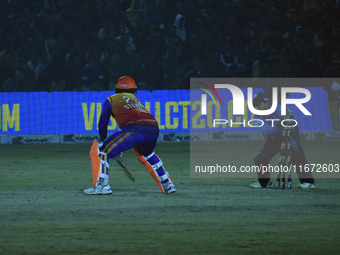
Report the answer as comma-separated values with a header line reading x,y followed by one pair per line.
x,y
43,209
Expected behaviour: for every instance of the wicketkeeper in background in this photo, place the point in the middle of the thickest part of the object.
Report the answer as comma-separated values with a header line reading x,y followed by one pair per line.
x,y
138,130
272,147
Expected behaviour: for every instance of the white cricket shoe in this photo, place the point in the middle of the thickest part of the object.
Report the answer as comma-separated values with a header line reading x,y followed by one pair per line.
x,y
102,188
306,185
257,185
169,187
98,190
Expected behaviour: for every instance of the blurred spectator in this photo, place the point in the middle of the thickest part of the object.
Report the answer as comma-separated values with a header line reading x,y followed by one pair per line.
x,y
8,62
228,57
275,66
123,59
107,29
140,33
37,65
151,59
93,75
108,10
180,28
133,13
23,78
174,60
151,13
199,68
202,37
74,60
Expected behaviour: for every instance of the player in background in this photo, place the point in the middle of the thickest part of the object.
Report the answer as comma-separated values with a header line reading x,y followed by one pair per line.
x,y
273,144
138,130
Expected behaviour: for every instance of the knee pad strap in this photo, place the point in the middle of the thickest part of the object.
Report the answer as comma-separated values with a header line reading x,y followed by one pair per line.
x,y
157,165
164,177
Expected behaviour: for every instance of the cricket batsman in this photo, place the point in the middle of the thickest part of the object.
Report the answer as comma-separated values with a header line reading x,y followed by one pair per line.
x,y
138,130
272,147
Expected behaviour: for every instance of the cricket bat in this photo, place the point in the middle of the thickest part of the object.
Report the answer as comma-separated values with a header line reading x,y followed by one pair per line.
x,y
125,168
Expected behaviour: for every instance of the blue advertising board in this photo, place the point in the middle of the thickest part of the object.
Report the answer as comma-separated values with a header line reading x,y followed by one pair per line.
x,y
78,112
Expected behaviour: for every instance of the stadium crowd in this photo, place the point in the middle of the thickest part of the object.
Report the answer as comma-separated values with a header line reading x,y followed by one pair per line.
x,y
53,45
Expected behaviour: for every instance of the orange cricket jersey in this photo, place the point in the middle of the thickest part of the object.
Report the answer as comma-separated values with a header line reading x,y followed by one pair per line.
x,y
126,109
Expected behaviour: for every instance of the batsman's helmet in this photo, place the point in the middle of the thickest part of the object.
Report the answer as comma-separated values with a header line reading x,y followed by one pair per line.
x,y
125,83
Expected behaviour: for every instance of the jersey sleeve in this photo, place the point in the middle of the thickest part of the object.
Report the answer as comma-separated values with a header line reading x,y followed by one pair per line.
x,y
104,119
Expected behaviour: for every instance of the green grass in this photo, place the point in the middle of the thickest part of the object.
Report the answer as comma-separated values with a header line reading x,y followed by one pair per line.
x,y
43,209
